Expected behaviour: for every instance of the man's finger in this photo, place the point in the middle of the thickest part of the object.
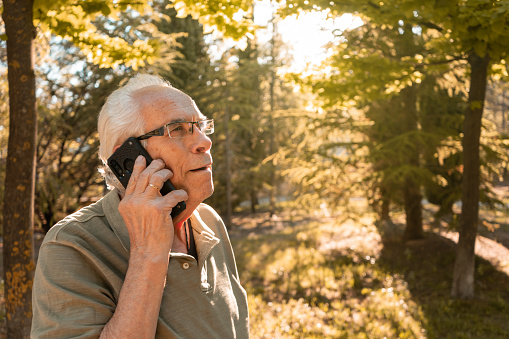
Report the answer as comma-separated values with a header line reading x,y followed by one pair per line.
x,y
171,199
146,174
160,177
139,166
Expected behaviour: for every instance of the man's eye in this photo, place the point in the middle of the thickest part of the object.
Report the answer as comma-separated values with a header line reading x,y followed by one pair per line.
x,y
178,130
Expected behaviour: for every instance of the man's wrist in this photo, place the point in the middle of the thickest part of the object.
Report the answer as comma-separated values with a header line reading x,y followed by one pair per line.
x,y
148,258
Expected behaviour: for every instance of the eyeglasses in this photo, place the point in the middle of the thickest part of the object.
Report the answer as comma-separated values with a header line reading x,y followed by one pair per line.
x,y
181,129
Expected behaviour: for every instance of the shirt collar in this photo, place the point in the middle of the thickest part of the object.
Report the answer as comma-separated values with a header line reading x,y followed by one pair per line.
x,y
199,225
205,238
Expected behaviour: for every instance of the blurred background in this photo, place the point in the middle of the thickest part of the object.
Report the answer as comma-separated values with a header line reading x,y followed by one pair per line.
x,y
342,151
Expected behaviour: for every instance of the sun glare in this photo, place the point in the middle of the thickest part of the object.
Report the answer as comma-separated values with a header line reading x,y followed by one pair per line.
x,y
306,35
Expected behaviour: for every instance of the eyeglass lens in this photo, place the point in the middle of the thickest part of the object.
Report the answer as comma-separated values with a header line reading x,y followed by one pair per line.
x,y
184,129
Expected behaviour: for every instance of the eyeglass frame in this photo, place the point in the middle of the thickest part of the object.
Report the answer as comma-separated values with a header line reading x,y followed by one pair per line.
x,y
158,132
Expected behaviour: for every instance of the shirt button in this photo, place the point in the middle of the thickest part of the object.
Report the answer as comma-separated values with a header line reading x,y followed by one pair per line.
x,y
185,265
205,286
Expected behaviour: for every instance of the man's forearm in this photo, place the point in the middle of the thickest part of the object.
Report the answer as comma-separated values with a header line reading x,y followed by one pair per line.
x,y
140,299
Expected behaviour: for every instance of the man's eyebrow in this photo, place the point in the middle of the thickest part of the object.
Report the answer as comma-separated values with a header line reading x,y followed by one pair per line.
x,y
176,120
201,117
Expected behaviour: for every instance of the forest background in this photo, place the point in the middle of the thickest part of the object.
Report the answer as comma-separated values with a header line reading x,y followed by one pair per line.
x,y
339,182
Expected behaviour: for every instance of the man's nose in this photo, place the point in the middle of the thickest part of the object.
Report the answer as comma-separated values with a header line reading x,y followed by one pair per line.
x,y
203,142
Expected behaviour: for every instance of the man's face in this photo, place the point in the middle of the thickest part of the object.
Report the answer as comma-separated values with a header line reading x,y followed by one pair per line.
x,y
188,158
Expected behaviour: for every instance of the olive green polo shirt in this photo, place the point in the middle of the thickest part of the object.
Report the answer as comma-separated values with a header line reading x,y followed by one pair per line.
x,y
83,262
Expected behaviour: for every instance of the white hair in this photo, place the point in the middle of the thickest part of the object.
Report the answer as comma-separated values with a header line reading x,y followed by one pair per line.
x,y
120,119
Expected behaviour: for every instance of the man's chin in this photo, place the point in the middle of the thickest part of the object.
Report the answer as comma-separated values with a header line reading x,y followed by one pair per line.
x,y
211,191
206,191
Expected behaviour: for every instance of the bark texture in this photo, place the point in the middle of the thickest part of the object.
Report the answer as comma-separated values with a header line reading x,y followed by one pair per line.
x,y
412,191
463,279
20,171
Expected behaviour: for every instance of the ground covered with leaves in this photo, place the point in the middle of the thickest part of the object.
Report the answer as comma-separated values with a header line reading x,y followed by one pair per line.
x,y
352,279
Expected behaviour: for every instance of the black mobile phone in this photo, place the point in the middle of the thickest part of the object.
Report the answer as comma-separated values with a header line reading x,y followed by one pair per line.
x,y
121,164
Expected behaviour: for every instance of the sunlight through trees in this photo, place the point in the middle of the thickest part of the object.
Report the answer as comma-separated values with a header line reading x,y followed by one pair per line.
x,y
402,111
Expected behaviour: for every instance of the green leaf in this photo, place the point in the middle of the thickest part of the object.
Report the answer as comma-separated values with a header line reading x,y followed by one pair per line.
x,y
480,47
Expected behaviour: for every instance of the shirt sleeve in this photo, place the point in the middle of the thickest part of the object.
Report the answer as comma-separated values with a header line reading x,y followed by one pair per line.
x,y
71,298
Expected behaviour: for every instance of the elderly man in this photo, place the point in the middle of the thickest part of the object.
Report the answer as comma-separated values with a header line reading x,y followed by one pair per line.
x,y
122,267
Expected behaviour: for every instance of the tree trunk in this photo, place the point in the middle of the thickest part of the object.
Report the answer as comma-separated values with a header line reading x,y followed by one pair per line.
x,y
20,171
463,280
412,190
385,209
227,155
503,108
413,210
254,201
272,142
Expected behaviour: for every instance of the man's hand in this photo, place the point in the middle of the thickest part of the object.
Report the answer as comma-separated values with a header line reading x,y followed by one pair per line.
x,y
146,213
147,216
